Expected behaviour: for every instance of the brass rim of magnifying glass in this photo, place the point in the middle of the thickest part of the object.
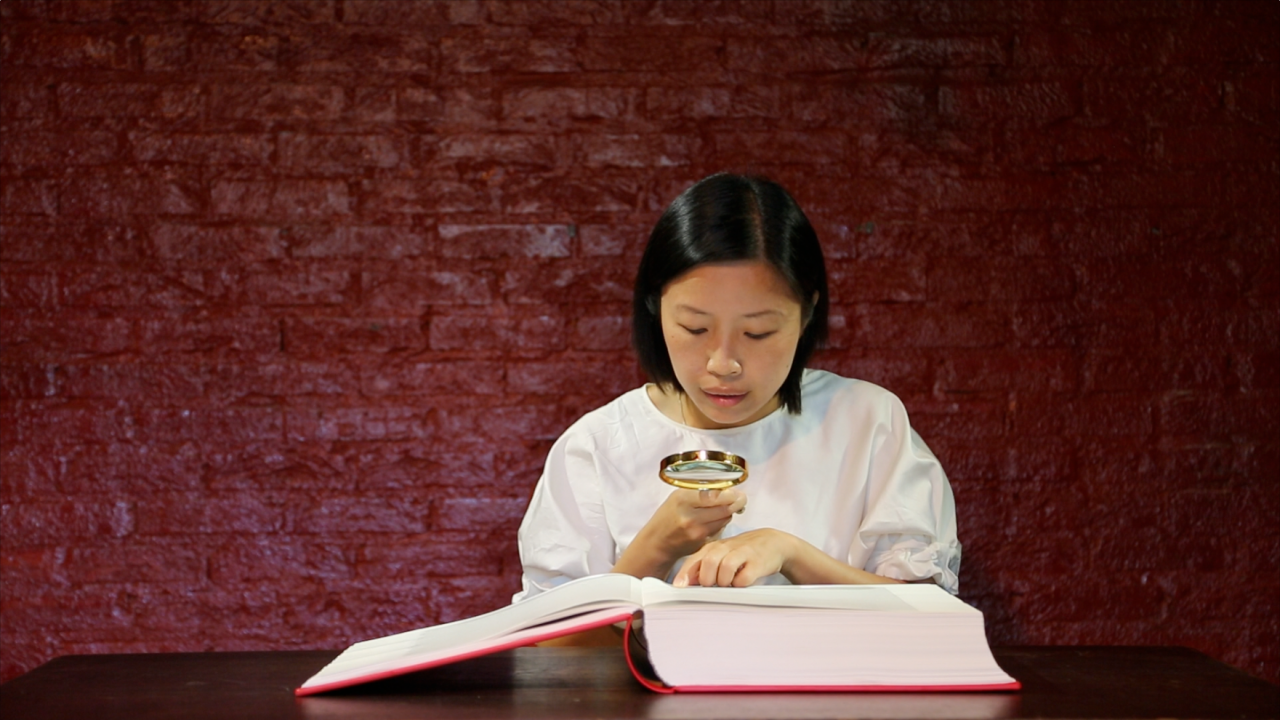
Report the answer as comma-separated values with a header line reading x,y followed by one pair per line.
x,y
704,455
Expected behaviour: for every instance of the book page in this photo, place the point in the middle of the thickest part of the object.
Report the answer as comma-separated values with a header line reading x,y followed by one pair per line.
x,y
878,598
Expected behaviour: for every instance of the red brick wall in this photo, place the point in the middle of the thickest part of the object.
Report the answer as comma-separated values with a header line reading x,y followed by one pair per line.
x,y
297,294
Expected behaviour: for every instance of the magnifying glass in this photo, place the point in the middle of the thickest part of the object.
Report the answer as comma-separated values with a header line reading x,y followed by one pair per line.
x,y
703,470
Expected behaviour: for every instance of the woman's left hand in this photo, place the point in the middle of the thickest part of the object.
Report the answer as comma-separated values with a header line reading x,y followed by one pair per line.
x,y
738,561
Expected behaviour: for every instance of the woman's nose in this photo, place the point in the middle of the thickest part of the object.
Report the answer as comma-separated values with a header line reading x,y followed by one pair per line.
x,y
722,361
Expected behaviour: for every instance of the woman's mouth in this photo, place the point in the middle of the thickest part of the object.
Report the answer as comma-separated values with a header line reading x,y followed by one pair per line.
x,y
724,399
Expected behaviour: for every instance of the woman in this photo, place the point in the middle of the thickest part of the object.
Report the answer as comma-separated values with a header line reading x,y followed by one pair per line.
x,y
730,302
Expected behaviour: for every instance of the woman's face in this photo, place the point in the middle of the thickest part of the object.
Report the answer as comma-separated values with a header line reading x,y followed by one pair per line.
x,y
731,330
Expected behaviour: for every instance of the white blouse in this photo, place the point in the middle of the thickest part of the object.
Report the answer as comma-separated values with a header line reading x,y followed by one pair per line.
x,y
848,475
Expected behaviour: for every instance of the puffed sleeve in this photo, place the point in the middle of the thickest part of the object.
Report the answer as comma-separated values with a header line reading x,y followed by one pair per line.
x,y
910,519
564,534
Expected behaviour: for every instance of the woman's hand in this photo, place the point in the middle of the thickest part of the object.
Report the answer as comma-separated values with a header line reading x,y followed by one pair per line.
x,y
742,560
738,561
680,525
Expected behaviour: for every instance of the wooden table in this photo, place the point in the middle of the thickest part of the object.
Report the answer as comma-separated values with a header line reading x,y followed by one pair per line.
x,y
1058,682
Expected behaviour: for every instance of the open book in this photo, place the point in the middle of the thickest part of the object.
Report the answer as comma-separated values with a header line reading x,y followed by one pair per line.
x,y
766,638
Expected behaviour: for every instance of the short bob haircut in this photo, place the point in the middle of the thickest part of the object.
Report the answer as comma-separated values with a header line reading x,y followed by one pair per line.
x,y
726,218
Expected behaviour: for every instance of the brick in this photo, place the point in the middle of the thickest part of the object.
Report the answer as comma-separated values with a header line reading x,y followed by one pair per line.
x,y
817,54
409,291
25,100
703,103
120,197
50,523
348,514
281,200
506,149
399,13
869,105
202,149
1001,279
426,104
634,151
340,154
601,332
130,100
877,280
1210,144
401,466
530,420
929,325
197,513
554,107
1011,369
72,241
326,337
361,424
566,282
56,338
28,290
366,50
597,240
373,105
509,55
227,384
135,564
28,381
570,12
972,418
411,560
196,245
282,101
901,370
1187,412
212,338
53,150
237,12
431,197
107,287
775,146
595,375
442,378
29,197
252,561
480,514
497,332
1256,371
126,468
1127,413
655,52
601,194
1029,103
130,380
484,241
297,287
241,425
53,47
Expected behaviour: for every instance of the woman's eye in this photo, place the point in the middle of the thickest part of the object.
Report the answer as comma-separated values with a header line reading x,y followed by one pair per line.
x,y
760,336
694,331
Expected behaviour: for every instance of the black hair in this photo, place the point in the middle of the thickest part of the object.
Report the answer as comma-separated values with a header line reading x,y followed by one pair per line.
x,y
724,218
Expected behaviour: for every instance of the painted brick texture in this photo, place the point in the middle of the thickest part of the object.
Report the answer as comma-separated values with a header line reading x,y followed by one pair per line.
x,y
296,295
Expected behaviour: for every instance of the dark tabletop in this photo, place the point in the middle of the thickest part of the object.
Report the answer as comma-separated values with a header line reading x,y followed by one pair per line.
x,y
1058,682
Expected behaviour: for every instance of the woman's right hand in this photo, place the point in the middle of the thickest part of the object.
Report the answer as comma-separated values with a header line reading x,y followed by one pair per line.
x,y
685,521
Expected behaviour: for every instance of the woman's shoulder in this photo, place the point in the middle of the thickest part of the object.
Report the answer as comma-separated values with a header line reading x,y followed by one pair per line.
x,y
824,383
824,391
629,408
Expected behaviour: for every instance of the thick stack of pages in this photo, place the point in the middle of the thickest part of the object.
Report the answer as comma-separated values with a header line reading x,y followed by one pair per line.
x,y
820,637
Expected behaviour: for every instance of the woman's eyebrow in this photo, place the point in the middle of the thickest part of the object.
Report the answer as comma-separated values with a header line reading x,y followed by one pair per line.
x,y
759,313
